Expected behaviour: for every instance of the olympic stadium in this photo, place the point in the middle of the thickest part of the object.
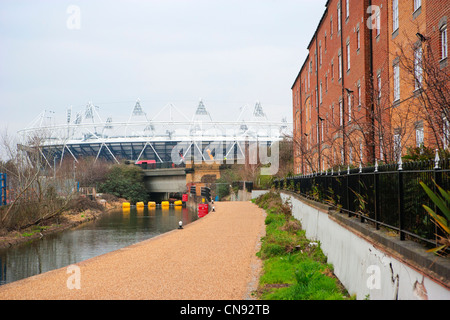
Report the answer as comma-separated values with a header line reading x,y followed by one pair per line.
x,y
152,138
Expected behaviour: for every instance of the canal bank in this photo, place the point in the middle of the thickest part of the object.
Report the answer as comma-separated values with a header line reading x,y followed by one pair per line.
x,y
65,221
213,258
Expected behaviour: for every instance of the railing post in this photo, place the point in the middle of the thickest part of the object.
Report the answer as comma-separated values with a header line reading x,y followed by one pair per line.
x,y
437,175
401,205
361,216
347,199
377,192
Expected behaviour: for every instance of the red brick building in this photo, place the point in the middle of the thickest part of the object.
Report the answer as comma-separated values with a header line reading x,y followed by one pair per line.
x,y
343,96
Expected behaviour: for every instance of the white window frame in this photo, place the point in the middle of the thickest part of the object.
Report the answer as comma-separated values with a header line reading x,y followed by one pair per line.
x,y
320,92
420,137
444,42
395,21
348,56
359,95
418,70
379,85
349,104
417,5
339,18
397,146
347,9
378,22
358,39
350,155
446,132
396,82
381,149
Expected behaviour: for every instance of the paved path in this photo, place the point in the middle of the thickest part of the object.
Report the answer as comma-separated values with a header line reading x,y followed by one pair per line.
x,y
212,258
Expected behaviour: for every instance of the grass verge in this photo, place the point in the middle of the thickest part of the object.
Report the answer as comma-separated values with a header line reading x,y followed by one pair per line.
x,y
295,268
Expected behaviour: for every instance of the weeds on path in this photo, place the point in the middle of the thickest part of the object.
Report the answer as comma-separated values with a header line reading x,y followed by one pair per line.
x,y
294,267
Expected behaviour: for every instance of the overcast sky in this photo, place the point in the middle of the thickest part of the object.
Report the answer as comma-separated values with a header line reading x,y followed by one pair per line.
x,y
229,53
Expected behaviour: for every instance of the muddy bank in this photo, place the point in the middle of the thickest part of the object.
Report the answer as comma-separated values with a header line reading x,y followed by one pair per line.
x,y
65,221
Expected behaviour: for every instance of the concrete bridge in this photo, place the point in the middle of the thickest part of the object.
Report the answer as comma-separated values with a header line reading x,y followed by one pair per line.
x,y
170,180
161,182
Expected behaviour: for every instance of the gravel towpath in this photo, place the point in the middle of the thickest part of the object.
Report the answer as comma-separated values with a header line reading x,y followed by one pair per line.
x,y
213,258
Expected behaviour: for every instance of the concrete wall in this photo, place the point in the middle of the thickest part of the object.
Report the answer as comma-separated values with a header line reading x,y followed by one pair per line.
x,y
257,193
165,183
369,263
368,268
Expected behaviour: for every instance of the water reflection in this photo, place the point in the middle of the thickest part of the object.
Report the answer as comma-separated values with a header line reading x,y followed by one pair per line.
x,y
113,231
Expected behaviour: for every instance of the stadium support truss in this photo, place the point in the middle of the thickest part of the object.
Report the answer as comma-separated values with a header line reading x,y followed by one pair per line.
x,y
142,137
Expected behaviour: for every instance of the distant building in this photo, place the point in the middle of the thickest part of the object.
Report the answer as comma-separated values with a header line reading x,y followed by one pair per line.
x,y
363,92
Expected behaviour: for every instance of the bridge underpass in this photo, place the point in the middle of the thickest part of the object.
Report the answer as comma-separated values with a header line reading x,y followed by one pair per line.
x,y
160,183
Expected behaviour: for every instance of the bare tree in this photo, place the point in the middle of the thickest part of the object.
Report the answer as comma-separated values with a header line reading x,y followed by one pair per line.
x,y
36,194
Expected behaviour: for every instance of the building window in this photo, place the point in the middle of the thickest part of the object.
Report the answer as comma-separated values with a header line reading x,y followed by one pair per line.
x,y
358,40
396,82
361,151
379,87
320,54
339,18
397,147
419,137
349,102
418,71
347,8
417,4
322,130
340,65
381,149
348,56
331,27
350,155
332,113
320,93
378,22
341,114
446,132
444,42
332,70
359,95
395,15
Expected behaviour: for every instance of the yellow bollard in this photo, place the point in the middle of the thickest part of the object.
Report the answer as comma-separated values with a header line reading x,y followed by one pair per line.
x,y
140,205
151,204
126,205
165,203
178,203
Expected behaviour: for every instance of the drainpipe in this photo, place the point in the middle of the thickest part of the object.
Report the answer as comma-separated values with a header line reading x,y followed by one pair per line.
x,y
372,105
342,80
319,152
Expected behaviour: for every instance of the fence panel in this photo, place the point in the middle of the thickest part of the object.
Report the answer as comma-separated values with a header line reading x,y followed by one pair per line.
x,y
388,196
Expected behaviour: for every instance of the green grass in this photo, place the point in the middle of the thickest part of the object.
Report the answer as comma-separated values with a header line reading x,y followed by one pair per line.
x,y
34,230
295,268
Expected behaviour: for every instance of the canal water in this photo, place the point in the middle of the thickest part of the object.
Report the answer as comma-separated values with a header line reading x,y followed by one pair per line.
x,y
112,231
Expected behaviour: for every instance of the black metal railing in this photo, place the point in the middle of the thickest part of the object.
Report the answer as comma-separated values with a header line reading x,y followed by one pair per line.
x,y
387,196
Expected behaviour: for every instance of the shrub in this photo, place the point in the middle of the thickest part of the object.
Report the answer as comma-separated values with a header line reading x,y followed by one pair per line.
x,y
125,181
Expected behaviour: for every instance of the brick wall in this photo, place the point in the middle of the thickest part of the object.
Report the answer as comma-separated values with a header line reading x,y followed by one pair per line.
x,y
364,129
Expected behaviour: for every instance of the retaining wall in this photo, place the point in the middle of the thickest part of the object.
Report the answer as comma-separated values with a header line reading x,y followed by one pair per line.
x,y
370,263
